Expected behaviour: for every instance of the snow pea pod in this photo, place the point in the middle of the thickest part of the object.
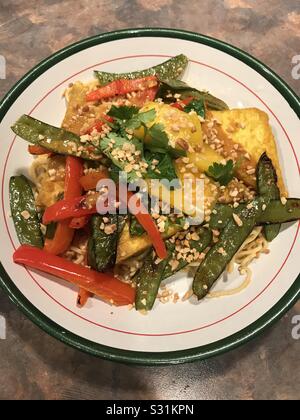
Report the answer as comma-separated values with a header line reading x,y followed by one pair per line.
x,y
102,244
170,69
149,278
231,239
267,187
23,211
57,140
276,212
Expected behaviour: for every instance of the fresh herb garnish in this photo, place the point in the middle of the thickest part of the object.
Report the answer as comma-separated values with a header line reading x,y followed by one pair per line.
x,y
222,173
160,142
160,166
141,119
196,105
123,112
129,117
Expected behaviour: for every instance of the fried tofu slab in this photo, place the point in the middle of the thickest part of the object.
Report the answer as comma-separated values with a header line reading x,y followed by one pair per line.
x,y
250,128
80,115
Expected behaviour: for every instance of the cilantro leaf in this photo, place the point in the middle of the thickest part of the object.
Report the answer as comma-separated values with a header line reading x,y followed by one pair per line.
x,y
164,169
222,173
140,119
159,139
160,142
123,112
148,116
196,105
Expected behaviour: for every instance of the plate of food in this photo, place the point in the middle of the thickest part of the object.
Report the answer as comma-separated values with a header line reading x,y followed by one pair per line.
x,y
150,196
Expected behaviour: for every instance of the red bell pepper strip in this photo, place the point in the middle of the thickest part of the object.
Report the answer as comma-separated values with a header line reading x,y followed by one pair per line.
x,y
98,124
62,239
181,104
90,180
64,233
142,97
82,297
105,286
67,209
150,227
35,149
122,87
177,105
79,222
186,101
74,171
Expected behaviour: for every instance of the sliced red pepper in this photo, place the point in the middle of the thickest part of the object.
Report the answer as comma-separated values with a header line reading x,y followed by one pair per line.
x,y
98,124
62,239
150,227
142,97
64,233
186,101
177,105
181,104
67,209
90,180
105,286
74,171
79,222
122,87
108,118
35,149
82,297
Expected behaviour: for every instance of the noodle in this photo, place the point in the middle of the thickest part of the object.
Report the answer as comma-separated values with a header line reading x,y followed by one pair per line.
x,y
251,249
236,290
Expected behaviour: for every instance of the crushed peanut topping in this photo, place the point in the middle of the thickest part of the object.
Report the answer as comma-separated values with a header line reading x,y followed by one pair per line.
x,y
237,220
25,214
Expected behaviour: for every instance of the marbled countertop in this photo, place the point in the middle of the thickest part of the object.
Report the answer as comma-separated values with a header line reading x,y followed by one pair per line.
x,y
33,365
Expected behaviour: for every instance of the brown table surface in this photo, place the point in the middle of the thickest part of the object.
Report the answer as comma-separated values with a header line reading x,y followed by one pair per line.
x,y
34,365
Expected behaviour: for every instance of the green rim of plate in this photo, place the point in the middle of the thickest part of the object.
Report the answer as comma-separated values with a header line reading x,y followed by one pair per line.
x,y
150,358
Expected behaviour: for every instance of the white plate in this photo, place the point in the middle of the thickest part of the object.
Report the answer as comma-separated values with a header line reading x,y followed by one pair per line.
x,y
191,330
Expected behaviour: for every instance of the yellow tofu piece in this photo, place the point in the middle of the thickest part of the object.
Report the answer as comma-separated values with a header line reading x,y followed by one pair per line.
x,y
49,187
205,158
251,129
183,130
131,246
189,197
211,191
81,115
